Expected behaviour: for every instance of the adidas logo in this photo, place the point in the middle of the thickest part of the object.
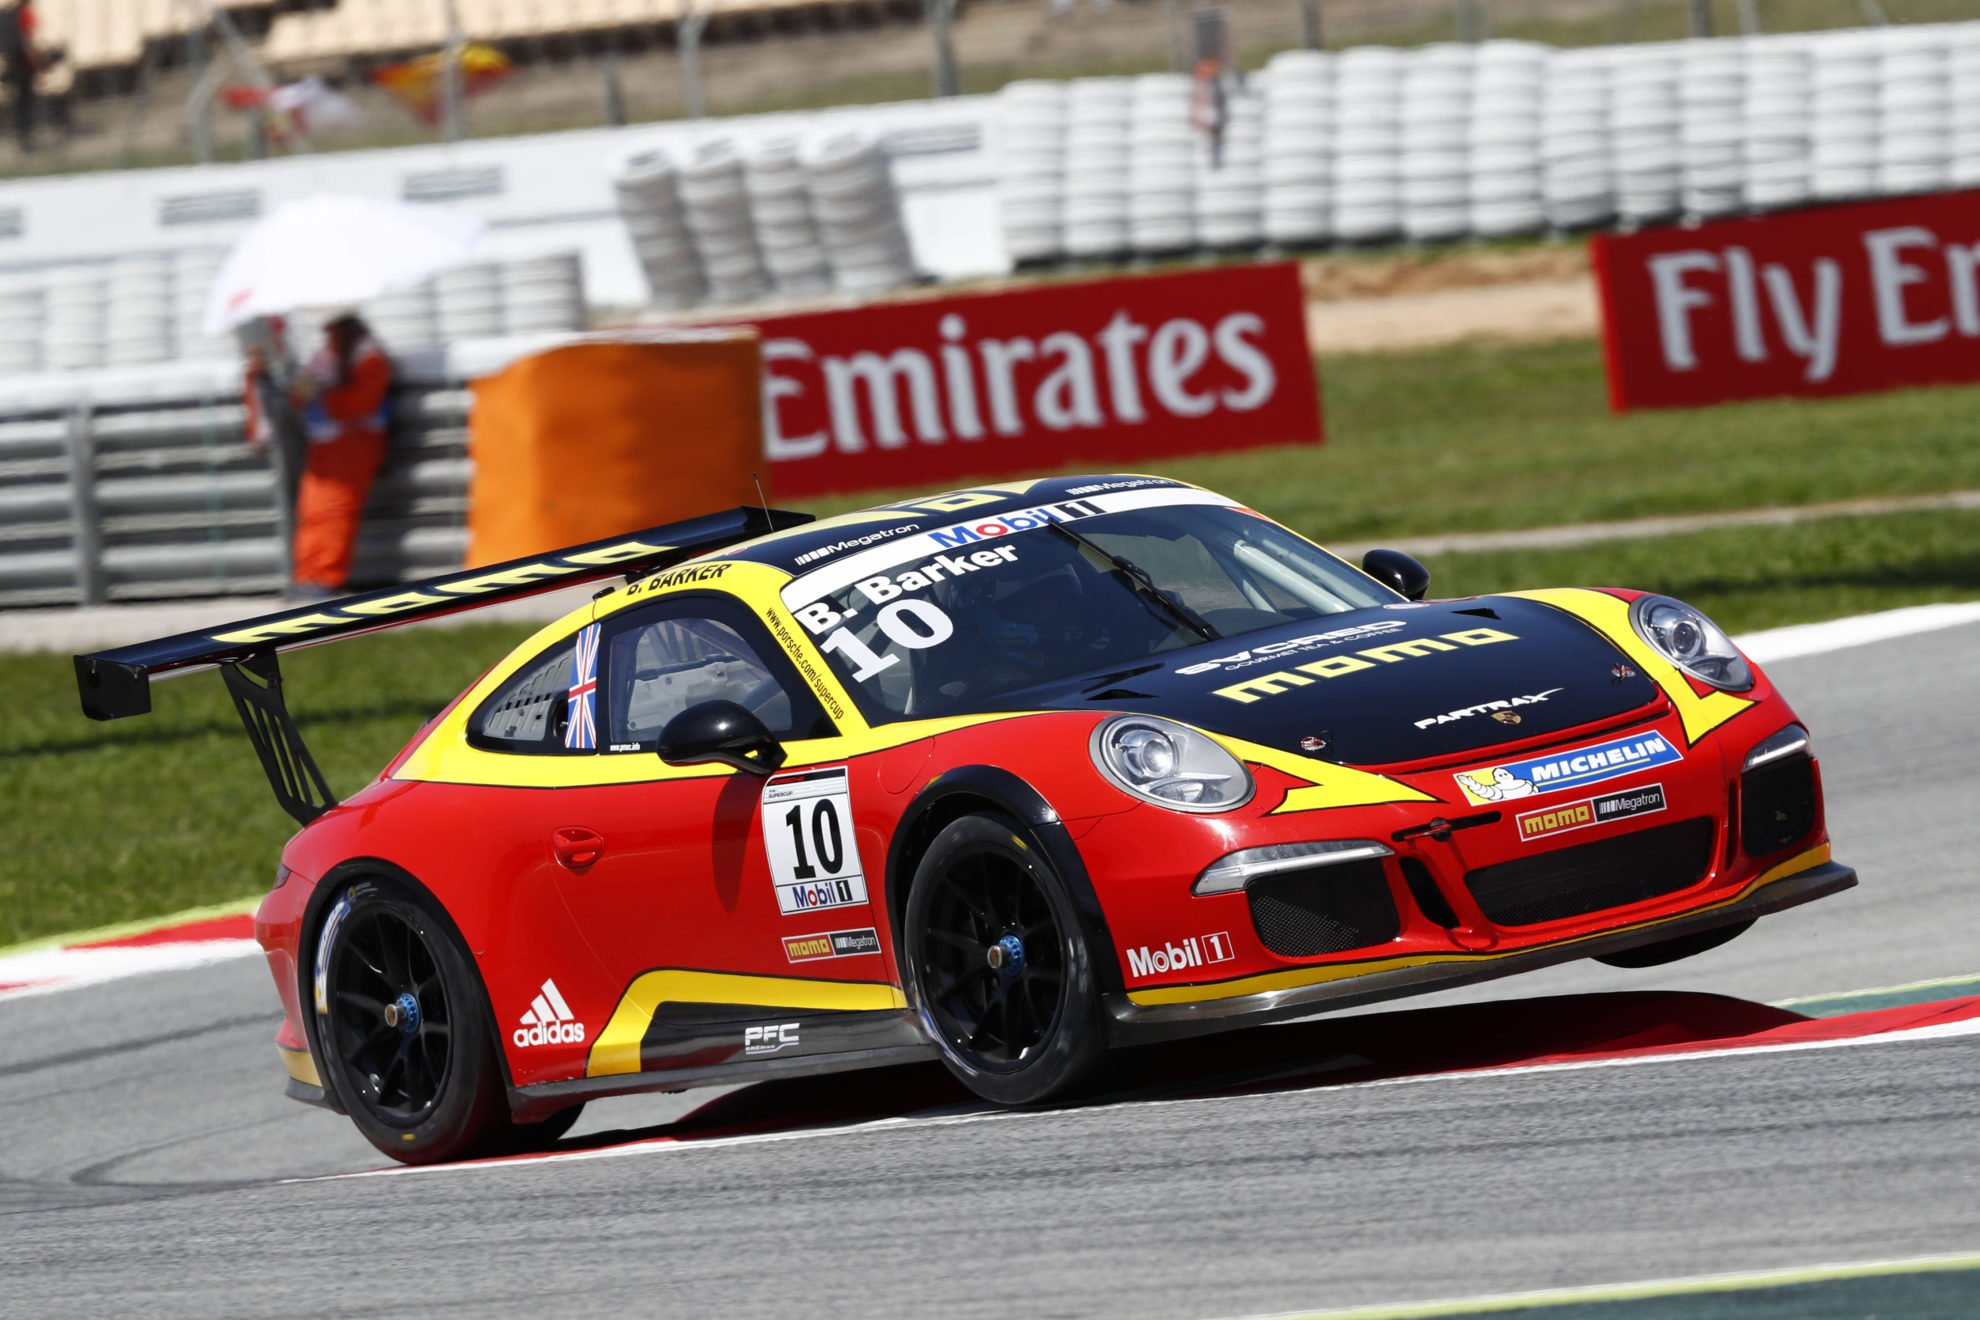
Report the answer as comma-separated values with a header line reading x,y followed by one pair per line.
x,y
549,1021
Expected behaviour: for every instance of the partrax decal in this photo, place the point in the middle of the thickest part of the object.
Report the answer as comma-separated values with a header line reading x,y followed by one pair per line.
x,y
808,839
1196,951
1592,811
548,1021
1497,708
831,944
770,1039
1575,769
1272,684
1269,652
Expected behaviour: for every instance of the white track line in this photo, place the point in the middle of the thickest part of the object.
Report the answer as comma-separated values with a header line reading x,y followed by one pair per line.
x,y
46,971
1802,639
1647,1289
676,1145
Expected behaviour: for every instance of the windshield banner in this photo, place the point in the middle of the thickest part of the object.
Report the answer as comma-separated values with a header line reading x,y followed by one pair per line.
x,y
1125,370
1826,300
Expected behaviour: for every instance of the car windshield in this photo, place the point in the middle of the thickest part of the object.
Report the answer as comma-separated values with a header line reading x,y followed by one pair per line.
x,y
943,633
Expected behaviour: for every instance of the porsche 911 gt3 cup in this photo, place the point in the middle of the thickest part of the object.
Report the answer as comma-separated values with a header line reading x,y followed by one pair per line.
x,y
1008,777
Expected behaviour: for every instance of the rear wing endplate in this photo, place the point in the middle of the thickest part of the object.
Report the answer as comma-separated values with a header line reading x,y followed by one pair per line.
x,y
117,683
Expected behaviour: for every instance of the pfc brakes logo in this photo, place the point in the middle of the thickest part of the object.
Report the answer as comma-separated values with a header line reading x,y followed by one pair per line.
x,y
1592,811
1196,951
770,1039
1575,769
549,1021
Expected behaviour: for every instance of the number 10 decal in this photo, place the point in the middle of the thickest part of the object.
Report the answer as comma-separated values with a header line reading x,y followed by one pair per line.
x,y
808,839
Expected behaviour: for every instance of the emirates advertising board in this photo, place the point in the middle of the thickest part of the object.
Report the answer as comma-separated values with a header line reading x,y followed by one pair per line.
x,y
1829,300
1113,372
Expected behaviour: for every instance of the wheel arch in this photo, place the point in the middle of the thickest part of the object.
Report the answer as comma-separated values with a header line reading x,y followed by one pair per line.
x,y
316,912
962,790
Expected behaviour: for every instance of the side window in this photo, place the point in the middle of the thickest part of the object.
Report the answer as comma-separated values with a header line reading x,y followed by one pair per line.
x,y
530,712
659,667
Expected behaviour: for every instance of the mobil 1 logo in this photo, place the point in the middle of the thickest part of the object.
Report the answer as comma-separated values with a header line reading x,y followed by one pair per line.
x,y
808,839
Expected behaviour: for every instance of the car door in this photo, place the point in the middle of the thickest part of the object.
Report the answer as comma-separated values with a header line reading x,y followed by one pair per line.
x,y
676,888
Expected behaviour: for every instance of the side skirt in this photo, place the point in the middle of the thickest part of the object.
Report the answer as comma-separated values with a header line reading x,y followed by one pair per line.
x,y
531,1104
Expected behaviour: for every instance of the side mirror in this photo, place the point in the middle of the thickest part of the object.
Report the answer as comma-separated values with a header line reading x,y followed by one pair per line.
x,y
720,731
1393,568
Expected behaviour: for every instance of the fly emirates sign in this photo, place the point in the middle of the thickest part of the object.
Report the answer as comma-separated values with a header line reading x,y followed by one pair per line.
x,y
1118,371
1828,300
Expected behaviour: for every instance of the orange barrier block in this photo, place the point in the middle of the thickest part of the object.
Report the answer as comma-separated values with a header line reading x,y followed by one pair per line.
x,y
604,437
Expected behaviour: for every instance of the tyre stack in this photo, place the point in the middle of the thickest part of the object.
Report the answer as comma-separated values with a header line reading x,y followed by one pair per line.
x,y
75,334
1230,182
1097,111
193,273
1774,123
1914,111
1643,119
1161,166
646,187
780,209
715,200
1368,142
1504,144
22,308
138,326
1436,169
1843,138
406,319
1577,178
1298,148
543,294
467,302
1711,97
1031,169
1963,117
859,213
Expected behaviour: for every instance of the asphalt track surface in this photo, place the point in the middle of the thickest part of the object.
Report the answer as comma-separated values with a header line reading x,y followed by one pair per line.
x,y
146,1153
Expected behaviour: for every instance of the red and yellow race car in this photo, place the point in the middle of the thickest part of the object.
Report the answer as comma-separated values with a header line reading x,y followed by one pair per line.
x,y
1010,777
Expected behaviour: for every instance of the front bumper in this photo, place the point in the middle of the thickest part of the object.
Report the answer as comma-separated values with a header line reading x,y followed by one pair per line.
x,y
1135,1018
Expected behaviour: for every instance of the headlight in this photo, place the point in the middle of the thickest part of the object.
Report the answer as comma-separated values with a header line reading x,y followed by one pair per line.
x,y
1690,641
1168,765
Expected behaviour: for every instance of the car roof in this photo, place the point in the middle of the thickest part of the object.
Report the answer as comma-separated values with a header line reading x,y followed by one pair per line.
x,y
803,548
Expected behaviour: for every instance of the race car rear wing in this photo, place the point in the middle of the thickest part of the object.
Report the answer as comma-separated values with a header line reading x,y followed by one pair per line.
x,y
117,683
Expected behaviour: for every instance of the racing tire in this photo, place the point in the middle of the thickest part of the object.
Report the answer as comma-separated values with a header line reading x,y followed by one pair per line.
x,y
404,1030
997,965
1684,946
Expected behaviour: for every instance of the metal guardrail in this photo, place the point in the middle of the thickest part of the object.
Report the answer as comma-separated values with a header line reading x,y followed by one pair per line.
x,y
104,502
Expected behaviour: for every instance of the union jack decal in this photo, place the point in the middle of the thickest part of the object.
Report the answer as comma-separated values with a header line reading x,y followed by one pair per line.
x,y
581,730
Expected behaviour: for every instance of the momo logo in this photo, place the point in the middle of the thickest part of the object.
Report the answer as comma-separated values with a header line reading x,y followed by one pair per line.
x,y
1334,666
549,1021
1592,811
1574,769
1195,951
770,1039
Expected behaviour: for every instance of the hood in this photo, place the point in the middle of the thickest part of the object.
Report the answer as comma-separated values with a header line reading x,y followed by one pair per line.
x,y
1382,685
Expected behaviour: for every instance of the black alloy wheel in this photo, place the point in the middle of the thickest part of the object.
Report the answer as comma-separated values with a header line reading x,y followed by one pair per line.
x,y
999,968
404,1028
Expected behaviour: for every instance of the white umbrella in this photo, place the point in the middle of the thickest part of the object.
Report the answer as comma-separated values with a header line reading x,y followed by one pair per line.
x,y
328,251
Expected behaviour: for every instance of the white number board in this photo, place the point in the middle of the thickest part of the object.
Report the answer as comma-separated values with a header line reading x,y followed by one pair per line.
x,y
808,838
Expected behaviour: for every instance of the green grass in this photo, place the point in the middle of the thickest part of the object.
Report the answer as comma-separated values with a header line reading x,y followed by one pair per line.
x,y
111,823
1482,437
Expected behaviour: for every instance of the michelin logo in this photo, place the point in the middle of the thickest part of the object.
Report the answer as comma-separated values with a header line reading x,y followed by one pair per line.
x,y
1575,769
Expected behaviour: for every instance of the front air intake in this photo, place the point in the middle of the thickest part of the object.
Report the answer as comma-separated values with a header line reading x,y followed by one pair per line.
x,y
1324,909
1777,805
1592,877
